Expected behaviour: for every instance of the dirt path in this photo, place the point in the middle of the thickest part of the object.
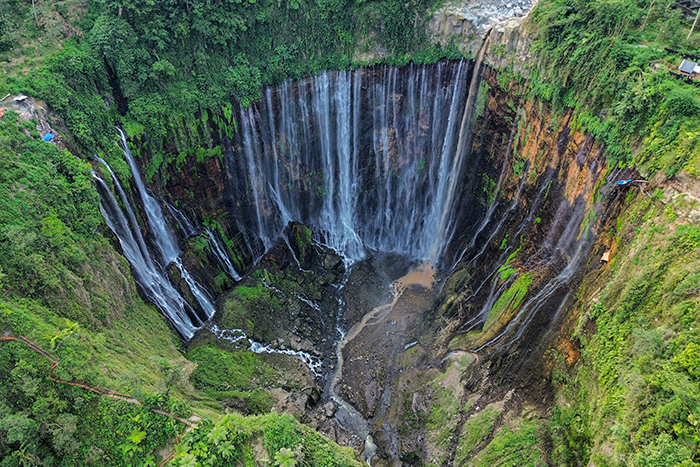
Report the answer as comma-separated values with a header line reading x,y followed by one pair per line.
x,y
191,422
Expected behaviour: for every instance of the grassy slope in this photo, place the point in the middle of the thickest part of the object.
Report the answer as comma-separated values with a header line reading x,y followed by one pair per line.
x,y
64,287
633,398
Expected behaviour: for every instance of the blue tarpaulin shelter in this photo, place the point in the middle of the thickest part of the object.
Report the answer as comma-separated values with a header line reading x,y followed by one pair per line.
x,y
48,136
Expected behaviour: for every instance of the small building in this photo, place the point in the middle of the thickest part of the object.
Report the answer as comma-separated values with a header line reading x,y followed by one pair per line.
x,y
688,68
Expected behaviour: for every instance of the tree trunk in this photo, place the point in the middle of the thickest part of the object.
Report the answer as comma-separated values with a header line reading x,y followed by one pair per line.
x,y
651,5
694,23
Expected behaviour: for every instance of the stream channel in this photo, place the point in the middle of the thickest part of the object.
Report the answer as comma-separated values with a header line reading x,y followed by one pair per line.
x,y
384,328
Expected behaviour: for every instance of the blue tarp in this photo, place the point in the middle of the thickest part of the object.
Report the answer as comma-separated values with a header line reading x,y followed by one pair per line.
x,y
624,182
48,136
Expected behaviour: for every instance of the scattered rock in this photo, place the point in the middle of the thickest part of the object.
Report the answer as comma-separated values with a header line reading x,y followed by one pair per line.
x,y
329,409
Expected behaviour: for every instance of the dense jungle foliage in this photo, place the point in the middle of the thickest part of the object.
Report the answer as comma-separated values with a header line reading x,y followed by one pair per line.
x,y
61,283
609,61
163,62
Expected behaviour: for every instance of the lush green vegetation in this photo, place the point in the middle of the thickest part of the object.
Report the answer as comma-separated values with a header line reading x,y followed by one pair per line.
x,y
607,61
514,447
161,64
50,221
173,70
270,440
475,431
235,375
64,287
634,399
45,423
509,301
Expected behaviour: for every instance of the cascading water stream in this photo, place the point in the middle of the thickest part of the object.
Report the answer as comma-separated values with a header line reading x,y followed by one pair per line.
x,y
237,335
148,275
162,235
364,157
444,232
188,230
222,257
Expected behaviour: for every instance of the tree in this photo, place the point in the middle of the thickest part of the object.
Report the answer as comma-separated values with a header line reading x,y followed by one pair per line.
x,y
285,458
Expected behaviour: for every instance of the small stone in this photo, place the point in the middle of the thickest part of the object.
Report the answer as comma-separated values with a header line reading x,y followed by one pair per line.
x,y
329,409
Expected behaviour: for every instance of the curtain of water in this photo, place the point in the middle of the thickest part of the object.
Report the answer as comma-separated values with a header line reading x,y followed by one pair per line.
x,y
365,157
150,266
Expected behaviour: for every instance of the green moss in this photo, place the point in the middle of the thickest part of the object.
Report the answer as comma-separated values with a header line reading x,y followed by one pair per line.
x,y
302,240
509,301
481,99
474,431
488,189
220,370
200,246
505,270
444,413
513,447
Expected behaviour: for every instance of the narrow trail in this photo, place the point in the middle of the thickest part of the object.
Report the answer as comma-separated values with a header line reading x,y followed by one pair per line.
x,y
191,422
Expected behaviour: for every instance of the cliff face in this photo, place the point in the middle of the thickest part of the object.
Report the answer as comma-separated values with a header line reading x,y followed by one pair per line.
x,y
530,201
520,264
500,26
471,354
468,24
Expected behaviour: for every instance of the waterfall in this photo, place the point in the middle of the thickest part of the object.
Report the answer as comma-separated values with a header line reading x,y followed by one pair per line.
x,y
183,223
151,276
161,231
222,257
463,148
147,274
366,157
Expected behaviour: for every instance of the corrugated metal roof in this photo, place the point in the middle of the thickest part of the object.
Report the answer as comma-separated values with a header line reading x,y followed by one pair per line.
x,y
687,66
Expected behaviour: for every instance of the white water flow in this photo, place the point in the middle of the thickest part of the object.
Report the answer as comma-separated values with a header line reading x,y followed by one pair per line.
x,y
366,157
162,235
183,222
444,232
151,277
161,231
222,257
237,335
147,274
